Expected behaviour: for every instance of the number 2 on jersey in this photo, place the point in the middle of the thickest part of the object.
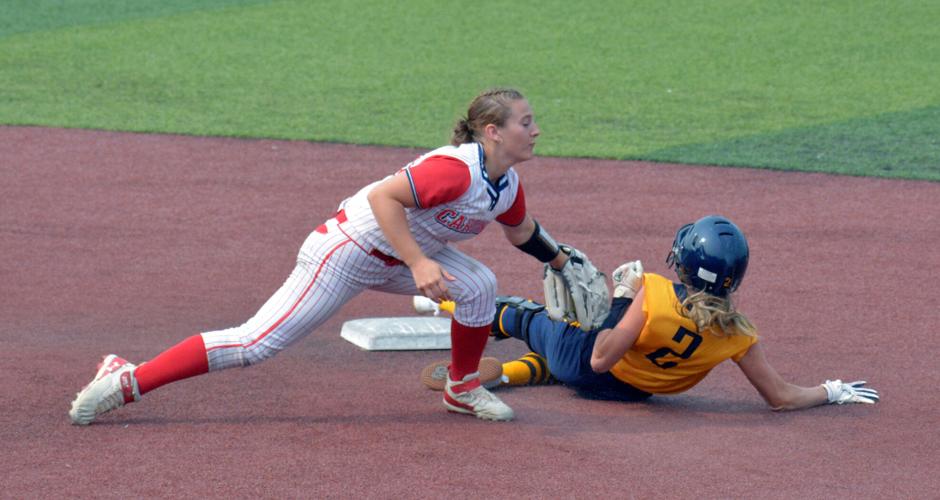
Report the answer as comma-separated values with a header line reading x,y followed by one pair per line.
x,y
665,351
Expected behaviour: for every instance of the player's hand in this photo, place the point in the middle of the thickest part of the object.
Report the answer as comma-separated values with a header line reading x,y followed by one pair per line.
x,y
627,279
840,393
431,279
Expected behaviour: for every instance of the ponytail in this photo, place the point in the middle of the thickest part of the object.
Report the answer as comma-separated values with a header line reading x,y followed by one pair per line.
x,y
717,314
463,133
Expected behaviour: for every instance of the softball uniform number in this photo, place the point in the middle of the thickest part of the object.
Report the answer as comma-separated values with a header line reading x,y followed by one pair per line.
x,y
655,356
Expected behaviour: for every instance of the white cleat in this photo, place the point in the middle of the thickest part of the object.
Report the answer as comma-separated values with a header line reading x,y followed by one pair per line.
x,y
426,306
113,386
468,396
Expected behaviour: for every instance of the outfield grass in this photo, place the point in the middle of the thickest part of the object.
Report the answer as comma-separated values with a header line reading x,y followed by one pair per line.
x,y
842,86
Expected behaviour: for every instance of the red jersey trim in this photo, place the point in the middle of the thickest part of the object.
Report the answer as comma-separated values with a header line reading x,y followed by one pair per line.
x,y
516,213
438,180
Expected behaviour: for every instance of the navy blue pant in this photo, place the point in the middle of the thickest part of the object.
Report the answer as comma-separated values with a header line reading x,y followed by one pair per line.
x,y
568,349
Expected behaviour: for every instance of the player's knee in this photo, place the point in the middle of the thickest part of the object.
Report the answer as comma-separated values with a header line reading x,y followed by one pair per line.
x,y
516,312
482,288
487,285
258,353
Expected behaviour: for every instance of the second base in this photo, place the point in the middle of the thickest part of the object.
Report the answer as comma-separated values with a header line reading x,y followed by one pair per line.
x,y
398,334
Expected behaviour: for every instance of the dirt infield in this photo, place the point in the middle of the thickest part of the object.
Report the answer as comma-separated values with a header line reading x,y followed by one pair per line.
x,y
129,243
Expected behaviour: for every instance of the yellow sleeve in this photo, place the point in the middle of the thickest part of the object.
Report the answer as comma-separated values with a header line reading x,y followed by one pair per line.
x,y
746,346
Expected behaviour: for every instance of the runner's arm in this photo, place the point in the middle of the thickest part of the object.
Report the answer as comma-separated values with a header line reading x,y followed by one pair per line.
x,y
779,394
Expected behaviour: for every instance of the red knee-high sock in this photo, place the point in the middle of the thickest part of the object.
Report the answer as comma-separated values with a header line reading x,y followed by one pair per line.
x,y
184,360
466,348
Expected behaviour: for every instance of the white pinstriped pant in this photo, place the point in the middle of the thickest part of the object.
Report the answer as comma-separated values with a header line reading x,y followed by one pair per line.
x,y
332,269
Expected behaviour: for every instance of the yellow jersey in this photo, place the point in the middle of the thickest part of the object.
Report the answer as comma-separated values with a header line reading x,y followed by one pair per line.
x,y
670,355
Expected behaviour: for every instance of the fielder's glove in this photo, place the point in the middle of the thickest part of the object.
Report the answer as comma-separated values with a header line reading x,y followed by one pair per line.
x,y
578,292
841,393
628,278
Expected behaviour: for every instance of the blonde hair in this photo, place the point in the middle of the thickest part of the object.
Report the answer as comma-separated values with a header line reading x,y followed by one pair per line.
x,y
716,314
492,106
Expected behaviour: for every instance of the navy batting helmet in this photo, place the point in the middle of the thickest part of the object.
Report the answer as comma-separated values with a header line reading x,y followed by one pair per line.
x,y
710,254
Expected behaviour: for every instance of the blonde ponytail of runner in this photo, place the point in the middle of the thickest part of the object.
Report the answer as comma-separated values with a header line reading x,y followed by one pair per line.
x,y
716,314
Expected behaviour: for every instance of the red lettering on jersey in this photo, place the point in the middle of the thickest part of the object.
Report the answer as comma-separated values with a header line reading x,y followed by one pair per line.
x,y
454,221
445,215
457,223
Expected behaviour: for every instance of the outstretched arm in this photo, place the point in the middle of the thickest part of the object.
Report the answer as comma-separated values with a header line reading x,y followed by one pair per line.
x,y
782,395
779,394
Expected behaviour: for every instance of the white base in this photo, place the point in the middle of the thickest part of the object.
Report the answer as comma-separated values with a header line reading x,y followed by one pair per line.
x,y
398,334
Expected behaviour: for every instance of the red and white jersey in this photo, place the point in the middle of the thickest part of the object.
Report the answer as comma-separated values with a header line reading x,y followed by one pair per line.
x,y
455,201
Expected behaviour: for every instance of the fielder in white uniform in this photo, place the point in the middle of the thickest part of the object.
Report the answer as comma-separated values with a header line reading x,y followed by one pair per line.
x,y
391,236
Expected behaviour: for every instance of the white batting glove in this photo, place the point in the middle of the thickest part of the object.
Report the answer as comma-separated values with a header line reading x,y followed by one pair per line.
x,y
841,393
627,279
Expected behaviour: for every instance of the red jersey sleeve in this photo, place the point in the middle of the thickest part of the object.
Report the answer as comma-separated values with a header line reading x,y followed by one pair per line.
x,y
437,180
516,213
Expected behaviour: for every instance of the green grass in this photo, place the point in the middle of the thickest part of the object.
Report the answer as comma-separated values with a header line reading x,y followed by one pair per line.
x,y
903,144
844,86
25,16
